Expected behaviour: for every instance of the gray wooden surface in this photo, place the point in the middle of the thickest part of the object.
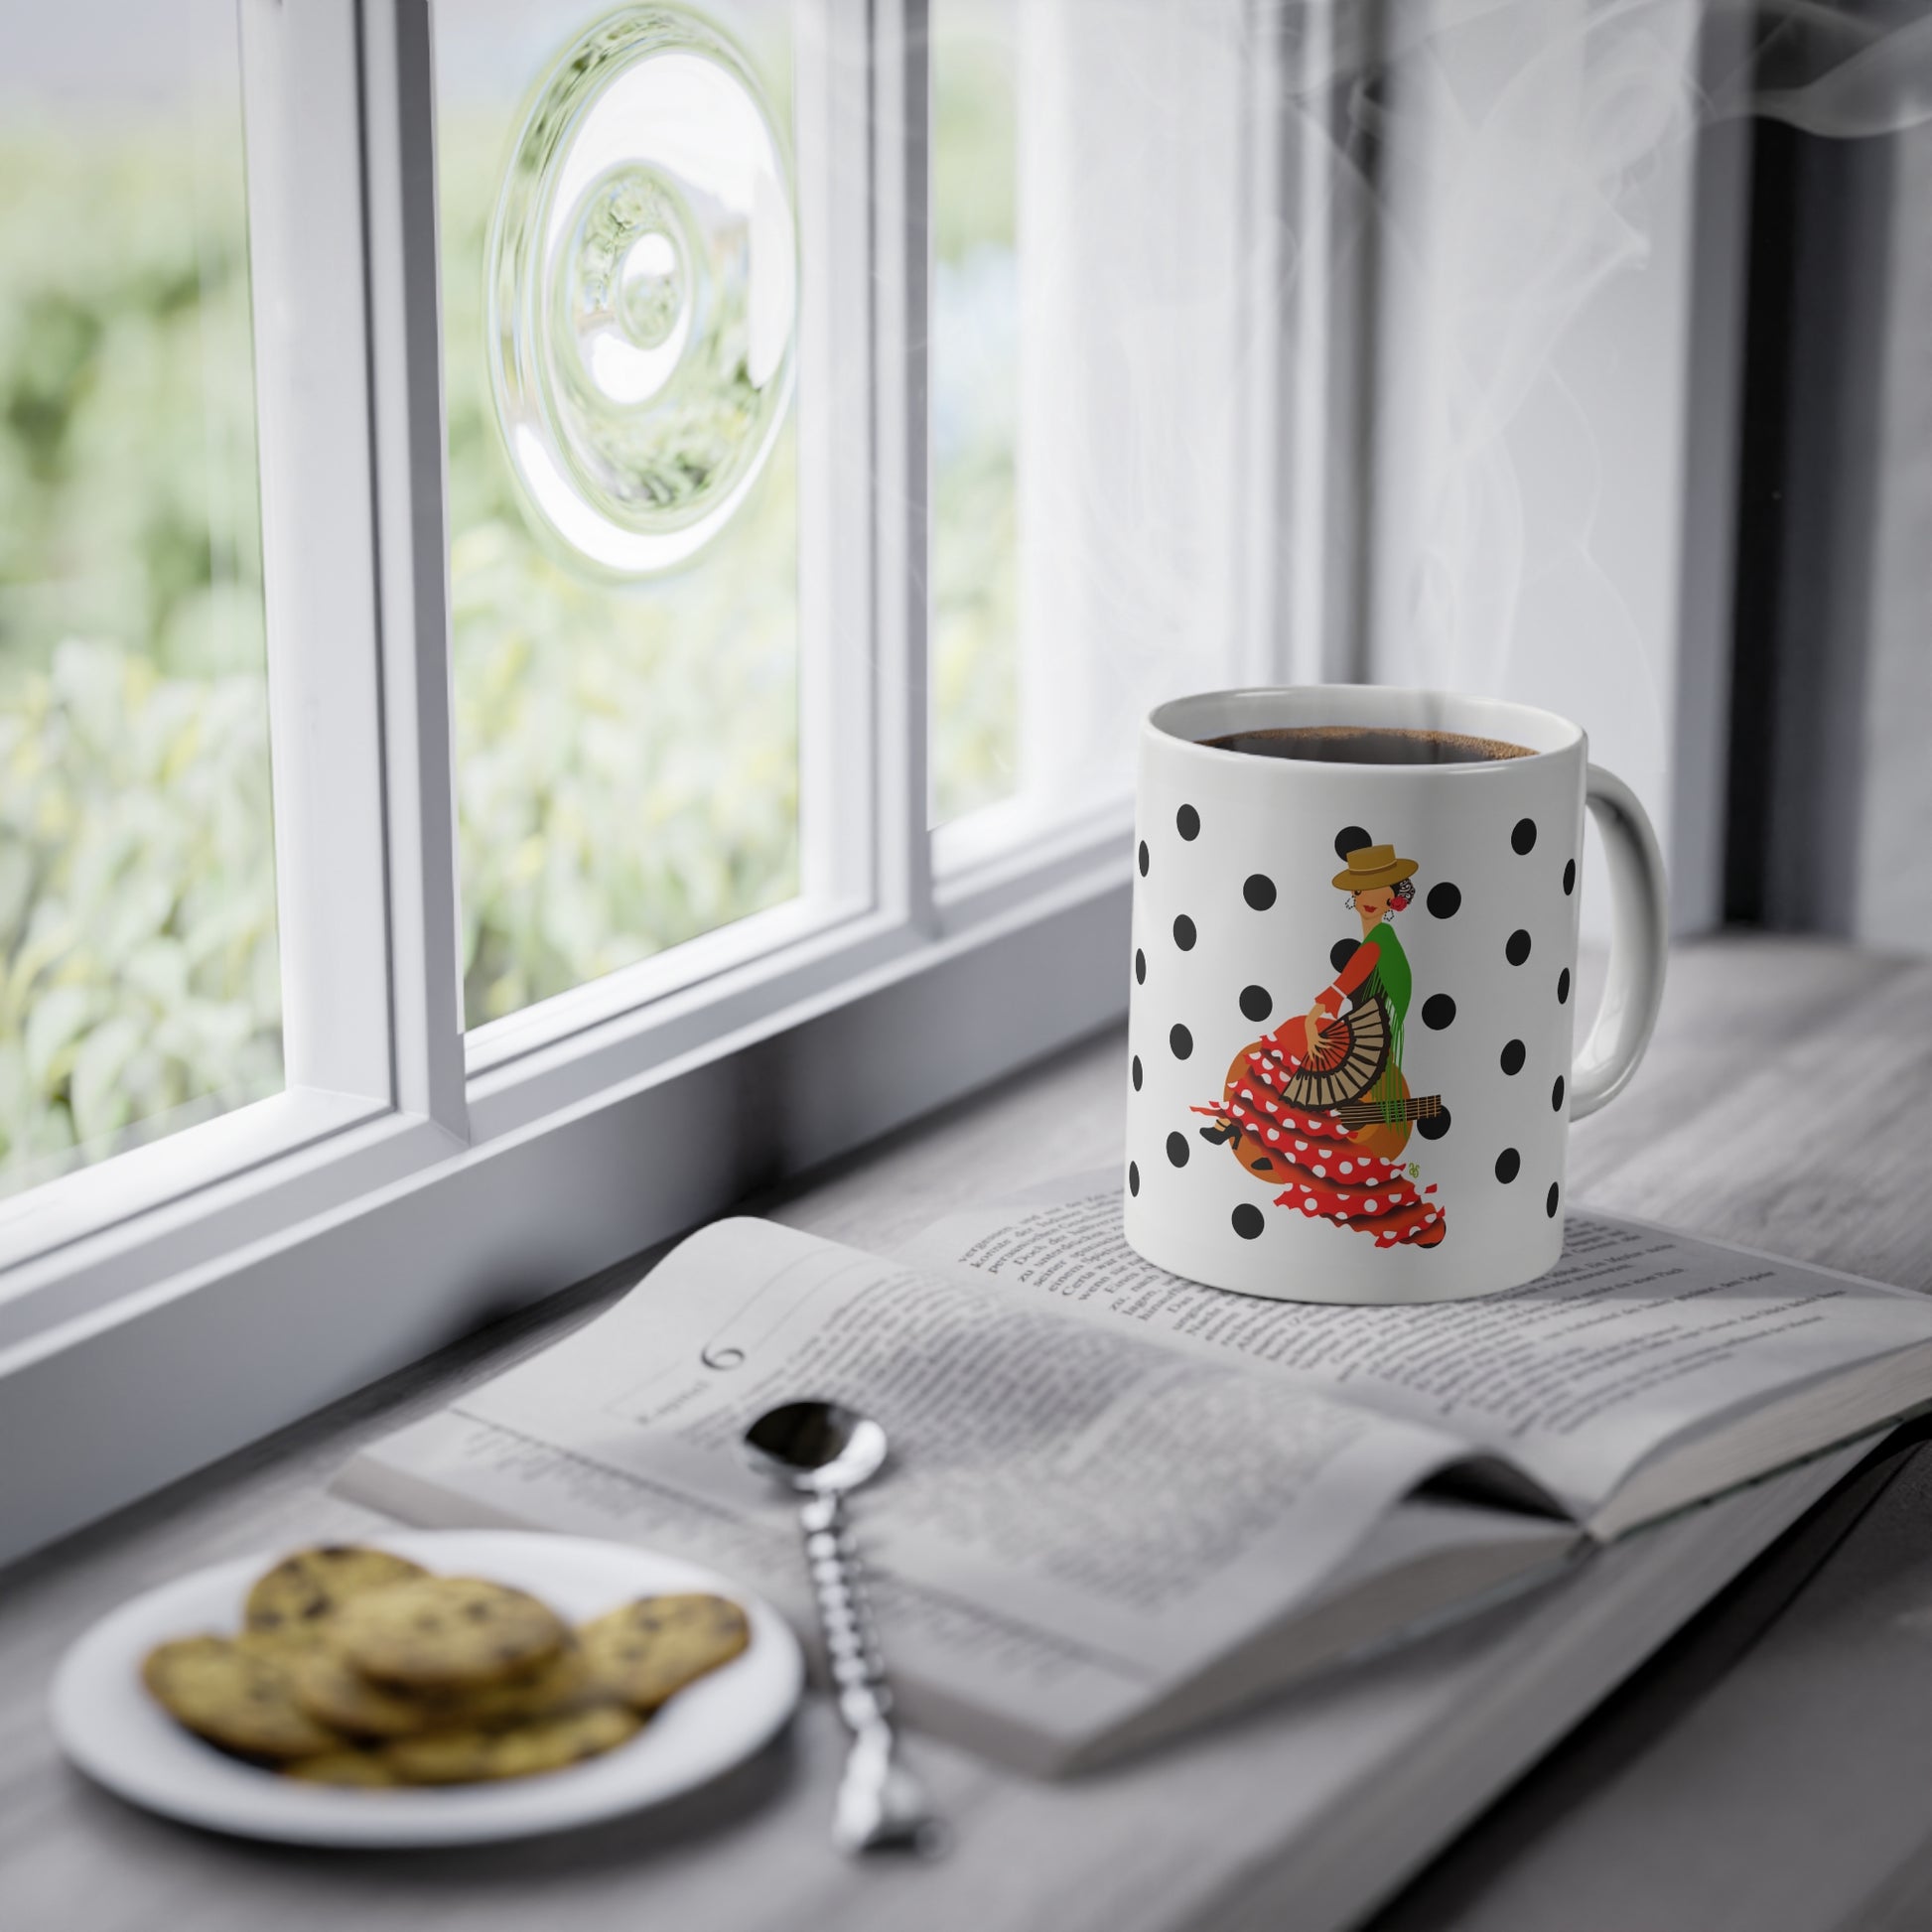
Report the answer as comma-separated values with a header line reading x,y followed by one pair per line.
x,y
1787,1103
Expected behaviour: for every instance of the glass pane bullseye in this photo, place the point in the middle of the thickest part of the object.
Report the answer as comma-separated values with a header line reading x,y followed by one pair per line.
x,y
650,289
642,267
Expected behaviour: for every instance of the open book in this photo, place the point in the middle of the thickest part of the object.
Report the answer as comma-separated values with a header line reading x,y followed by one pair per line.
x,y
1117,1502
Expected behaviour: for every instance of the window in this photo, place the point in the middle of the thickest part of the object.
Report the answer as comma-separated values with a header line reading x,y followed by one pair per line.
x,y
704,590
142,989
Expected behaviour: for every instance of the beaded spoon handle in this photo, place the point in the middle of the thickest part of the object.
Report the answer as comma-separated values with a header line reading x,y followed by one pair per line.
x,y
823,1450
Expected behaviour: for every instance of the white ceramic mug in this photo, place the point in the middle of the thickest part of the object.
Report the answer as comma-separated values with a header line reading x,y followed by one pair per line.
x,y
1424,916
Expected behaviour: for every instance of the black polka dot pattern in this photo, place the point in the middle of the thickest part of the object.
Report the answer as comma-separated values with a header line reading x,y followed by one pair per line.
x,y
1563,987
1259,1003
1550,1201
1569,878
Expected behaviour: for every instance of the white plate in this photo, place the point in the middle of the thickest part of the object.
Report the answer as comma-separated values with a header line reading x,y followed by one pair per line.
x,y
113,1730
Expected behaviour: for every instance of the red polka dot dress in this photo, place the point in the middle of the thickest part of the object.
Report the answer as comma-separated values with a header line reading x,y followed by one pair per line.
x,y
1327,1175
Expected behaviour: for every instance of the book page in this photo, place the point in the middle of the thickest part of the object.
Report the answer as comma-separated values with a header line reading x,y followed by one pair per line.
x,y
1071,1517
1636,1339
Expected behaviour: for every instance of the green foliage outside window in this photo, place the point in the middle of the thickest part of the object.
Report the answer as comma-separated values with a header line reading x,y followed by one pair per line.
x,y
139,983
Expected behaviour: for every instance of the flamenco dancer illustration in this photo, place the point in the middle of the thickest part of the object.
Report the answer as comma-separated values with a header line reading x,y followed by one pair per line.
x,y
1320,1104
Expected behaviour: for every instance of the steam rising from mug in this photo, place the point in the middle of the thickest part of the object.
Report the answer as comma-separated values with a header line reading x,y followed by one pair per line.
x,y
642,268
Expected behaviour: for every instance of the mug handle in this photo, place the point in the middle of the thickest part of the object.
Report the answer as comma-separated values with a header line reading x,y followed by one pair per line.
x,y
1608,1057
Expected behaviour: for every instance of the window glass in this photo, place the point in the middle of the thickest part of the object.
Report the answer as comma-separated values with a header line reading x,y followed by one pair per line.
x,y
974,381
137,888
1094,349
627,717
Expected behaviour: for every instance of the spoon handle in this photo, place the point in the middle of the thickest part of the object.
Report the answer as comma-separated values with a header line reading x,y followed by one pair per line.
x,y
880,1804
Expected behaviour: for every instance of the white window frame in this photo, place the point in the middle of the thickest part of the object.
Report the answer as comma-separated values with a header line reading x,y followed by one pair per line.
x,y
170,1305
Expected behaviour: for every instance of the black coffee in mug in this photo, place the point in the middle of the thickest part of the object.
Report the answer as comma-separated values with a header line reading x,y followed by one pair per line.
x,y
1367,745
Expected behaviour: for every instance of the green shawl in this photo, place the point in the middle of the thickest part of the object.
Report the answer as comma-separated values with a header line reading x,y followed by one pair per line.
x,y
1393,981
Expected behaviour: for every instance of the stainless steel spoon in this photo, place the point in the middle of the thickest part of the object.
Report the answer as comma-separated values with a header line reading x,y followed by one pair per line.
x,y
820,1451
